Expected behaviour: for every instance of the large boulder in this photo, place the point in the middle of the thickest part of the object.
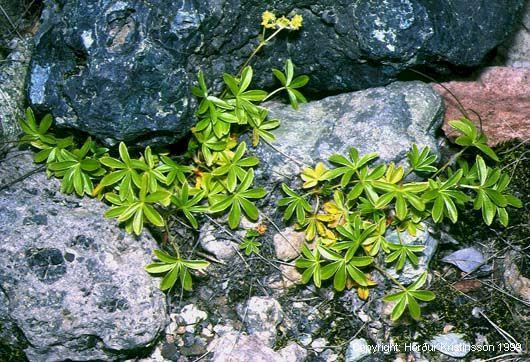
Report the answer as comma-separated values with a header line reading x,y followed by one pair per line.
x,y
386,120
13,71
500,95
72,283
122,70
515,52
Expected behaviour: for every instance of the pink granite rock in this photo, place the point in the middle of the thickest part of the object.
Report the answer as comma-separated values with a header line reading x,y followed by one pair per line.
x,y
501,95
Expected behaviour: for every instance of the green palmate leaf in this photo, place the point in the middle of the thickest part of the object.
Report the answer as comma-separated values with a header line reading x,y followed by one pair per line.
x,y
249,244
189,205
173,171
470,136
310,261
136,211
234,167
174,269
53,153
148,164
210,105
261,127
76,169
37,134
295,204
403,195
345,266
349,167
492,196
408,299
239,202
444,196
209,145
242,99
364,183
400,253
290,83
421,161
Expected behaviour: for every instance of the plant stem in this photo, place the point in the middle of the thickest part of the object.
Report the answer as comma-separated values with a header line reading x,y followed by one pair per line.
x,y
273,93
453,158
170,238
394,280
258,48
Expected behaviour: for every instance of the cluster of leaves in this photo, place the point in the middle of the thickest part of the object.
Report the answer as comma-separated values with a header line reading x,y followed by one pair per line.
x,y
148,187
347,210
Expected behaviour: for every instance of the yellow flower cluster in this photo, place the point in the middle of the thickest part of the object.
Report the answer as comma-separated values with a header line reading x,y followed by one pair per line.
x,y
269,21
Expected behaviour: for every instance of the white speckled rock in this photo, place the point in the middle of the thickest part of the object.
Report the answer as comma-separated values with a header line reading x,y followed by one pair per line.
x,y
75,282
288,243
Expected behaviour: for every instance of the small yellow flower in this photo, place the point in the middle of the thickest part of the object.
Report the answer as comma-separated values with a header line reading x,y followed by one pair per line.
x,y
296,22
268,20
283,22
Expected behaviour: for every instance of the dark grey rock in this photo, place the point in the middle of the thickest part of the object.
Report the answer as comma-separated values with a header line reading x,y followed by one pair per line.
x,y
74,281
12,342
386,120
515,52
122,70
13,71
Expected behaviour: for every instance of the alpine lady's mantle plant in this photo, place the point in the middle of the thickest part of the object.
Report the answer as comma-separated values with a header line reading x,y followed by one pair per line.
x,y
345,210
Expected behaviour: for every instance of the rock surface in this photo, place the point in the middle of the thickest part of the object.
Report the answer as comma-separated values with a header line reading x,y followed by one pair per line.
x,y
451,344
514,279
123,70
261,315
410,272
386,120
216,242
74,281
501,95
357,350
13,71
287,244
515,52
237,347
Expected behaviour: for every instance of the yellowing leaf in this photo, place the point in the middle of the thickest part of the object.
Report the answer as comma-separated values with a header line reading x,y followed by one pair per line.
x,y
312,176
363,292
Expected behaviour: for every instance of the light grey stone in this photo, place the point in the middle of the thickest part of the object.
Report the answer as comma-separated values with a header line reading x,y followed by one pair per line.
x,y
451,344
261,315
216,243
357,350
386,120
238,347
293,352
410,273
190,315
75,282
287,244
